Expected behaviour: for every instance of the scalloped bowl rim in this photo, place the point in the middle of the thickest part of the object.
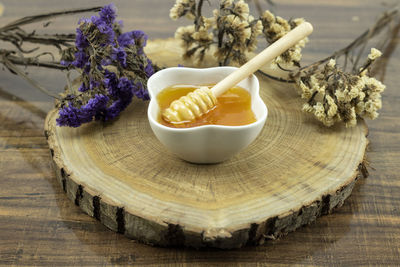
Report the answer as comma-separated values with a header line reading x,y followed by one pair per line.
x,y
153,101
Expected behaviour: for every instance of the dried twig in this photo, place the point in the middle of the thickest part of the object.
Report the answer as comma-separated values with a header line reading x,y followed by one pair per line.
x,y
29,61
18,71
279,79
36,18
259,8
198,14
388,48
45,39
380,24
13,34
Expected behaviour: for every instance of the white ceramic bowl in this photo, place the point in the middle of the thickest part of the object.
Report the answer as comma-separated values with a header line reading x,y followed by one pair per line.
x,y
208,143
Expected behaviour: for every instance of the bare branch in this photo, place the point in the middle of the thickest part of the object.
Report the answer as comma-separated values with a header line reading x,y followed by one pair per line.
x,y
36,18
279,79
18,71
46,39
380,24
29,61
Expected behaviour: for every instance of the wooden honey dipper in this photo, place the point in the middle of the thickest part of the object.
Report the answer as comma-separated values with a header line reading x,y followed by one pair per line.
x,y
193,105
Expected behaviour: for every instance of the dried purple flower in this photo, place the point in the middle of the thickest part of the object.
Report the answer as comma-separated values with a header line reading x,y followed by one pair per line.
x,y
114,110
140,92
83,88
108,13
105,61
65,62
125,87
149,70
140,40
104,28
113,68
71,116
81,58
110,82
139,36
96,107
126,39
93,84
119,54
81,41
123,92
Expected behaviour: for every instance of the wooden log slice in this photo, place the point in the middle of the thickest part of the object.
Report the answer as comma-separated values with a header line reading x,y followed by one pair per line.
x,y
295,171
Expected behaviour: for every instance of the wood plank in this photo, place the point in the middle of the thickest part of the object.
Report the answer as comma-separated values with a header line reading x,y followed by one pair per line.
x,y
364,231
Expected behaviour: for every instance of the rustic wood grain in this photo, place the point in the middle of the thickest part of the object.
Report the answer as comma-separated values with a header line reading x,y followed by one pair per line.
x,y
296,171
39,225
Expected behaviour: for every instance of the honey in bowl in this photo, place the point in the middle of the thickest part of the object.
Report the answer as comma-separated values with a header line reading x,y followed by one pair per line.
x,y
233,107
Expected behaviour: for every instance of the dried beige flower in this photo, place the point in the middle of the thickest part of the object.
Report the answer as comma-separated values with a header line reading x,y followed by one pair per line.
x,y
235,32
334,95
268,17
226,4
208,22
331,94
185,33
241,9
231,29
308,108
332,107
255,29
375,53
182,8
274,27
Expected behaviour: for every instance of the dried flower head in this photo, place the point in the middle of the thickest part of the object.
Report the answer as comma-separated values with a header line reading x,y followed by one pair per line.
x,y
274,27
113,69
234,31
182,8
333,95
231,29
375,53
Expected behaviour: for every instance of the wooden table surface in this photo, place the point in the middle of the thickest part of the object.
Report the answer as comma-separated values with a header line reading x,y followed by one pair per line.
x,y
39,225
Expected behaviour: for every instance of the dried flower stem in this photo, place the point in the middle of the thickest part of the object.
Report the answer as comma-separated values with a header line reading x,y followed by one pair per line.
x,y
198,14
36,18
380,24
14,34
29,61
259,8
18,37
279,79
18,71
332,95
389,47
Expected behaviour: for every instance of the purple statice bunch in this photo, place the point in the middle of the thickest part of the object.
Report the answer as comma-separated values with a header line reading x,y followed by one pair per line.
x,y
113,69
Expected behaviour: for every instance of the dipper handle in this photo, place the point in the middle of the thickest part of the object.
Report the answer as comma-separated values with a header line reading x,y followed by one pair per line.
x,y
268,54
200,101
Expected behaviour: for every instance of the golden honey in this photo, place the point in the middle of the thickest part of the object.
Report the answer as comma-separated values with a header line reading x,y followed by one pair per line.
x,y
233,107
